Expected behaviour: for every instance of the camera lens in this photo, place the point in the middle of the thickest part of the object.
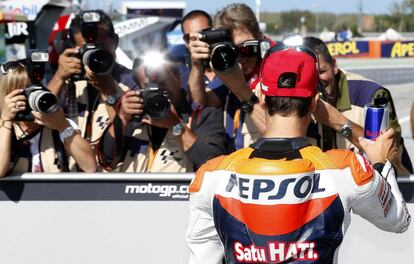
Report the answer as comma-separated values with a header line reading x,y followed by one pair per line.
x,y
43,101
157,106
223,57
98,60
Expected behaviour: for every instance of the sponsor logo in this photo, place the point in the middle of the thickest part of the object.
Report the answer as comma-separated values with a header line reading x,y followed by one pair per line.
x,y
28,10
275,252
179,191
343,48
373,135
256,189
16,29
384,196
402,50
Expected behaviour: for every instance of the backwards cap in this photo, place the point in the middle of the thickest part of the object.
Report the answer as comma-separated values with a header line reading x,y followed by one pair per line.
x,y
289,71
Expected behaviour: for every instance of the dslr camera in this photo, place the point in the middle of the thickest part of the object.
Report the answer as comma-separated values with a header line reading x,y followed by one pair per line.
x,y
98,60
156,102
223,53
38,98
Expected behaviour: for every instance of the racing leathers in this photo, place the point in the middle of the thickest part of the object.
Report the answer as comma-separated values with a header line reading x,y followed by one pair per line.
x,y
282,200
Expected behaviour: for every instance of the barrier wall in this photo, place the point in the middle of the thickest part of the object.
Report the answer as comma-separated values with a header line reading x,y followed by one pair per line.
x,y
130,218
372,49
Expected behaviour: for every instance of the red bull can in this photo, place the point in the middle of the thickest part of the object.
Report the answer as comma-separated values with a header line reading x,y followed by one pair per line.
x,y
376,121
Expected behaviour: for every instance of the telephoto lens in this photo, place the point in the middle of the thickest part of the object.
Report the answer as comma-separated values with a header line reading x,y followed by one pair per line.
x,y
98,60
38,99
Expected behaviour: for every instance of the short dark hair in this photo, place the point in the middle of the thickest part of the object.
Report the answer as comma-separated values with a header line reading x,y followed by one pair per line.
x,y
319,47
75,25
235,16
288,106
197,13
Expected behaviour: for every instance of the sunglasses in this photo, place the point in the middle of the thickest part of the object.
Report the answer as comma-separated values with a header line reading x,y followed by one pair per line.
x,y
280,47
11,65
248,49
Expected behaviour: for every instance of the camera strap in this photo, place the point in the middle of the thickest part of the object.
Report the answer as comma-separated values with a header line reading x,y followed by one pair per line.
x,y
119,141
60,152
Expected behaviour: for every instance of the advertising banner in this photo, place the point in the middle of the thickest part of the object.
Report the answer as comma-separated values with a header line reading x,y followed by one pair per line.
x,y
349,48
398,49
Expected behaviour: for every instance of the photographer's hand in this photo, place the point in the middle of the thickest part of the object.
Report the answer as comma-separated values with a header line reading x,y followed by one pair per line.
x,y
199,50
167,122
55,120
13,103
131,104
68,65
106,84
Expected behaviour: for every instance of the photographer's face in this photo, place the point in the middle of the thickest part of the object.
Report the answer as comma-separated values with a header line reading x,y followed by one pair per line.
x,y
195,24
327,73
104,41
241,35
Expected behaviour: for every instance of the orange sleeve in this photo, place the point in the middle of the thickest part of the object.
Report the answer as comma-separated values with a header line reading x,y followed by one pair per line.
x,y
345,158
210,165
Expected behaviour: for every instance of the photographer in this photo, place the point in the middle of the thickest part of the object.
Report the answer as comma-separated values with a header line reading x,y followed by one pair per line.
x,y
161,135
91,90
39,145
204,87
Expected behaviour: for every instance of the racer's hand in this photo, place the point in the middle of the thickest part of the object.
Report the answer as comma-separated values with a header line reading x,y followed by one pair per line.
x,y
199,50
14,102
68,64
381,150
131,104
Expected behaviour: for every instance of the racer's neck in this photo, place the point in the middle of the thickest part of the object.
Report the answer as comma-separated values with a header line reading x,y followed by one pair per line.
x,y
286,127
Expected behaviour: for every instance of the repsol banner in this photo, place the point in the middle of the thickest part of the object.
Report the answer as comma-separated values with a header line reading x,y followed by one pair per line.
x,y
349,48
398,49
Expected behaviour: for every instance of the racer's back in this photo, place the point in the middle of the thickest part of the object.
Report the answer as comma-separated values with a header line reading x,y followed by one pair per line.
x,y
284,201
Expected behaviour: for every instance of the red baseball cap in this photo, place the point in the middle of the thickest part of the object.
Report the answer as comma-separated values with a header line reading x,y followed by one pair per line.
x,y
295,64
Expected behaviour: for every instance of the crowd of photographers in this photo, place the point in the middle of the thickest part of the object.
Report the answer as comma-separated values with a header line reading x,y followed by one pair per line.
x,y
101,116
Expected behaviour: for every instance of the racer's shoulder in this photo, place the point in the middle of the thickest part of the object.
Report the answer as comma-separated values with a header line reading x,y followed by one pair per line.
x,y
219,163
361,169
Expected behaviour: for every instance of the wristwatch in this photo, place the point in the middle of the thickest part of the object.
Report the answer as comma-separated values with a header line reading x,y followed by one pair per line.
x,y
67,133
346,130
112,99
247,106
178,129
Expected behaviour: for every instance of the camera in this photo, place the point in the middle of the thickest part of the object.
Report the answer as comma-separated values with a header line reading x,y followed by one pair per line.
x,y
35,64
98,60
156,102
223,53
38,99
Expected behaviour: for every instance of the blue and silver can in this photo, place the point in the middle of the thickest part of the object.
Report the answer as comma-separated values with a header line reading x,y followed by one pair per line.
x,y
376,121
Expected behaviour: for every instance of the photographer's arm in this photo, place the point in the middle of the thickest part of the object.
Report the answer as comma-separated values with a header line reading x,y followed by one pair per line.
x,y
75,145
8,112
68,65
236,82
130,104
328,115
200,51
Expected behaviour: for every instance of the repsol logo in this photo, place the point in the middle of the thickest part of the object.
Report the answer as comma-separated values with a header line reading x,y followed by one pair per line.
x,y
343,48
256,189
402,50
